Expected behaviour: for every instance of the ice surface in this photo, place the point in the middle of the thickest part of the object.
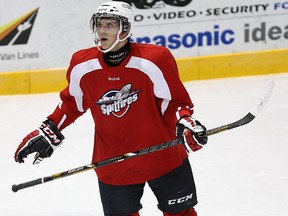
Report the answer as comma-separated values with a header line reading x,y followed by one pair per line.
x,y
243,171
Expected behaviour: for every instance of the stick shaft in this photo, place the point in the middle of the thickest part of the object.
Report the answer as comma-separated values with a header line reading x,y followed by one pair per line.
x,y
77,170
246,119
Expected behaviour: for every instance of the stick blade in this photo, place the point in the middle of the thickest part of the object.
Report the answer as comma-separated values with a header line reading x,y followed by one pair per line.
x,y
269,85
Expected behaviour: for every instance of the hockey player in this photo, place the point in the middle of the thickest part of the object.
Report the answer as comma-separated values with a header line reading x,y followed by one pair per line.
x,y
136,99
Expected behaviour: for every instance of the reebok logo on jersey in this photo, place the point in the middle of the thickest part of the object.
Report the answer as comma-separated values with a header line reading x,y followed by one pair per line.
x,y
117,102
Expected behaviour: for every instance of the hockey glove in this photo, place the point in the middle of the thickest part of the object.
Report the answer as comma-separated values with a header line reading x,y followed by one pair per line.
x,y
193,133
43,141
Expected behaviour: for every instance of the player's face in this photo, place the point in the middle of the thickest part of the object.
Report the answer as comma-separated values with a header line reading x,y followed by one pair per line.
x,y
107,30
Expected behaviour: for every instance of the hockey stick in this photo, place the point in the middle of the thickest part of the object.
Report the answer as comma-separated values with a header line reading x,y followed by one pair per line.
x,y
245,120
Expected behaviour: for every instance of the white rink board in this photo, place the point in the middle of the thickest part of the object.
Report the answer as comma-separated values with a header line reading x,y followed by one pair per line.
x,y
199,28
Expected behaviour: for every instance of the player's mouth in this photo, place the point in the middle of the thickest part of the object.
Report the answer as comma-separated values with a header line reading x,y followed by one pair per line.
x,y
103,40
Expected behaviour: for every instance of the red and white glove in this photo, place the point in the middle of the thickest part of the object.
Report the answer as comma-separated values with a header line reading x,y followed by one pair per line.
x,y
42,141
193,133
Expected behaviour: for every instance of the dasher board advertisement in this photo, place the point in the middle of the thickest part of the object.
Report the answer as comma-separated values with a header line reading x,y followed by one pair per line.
x,y
44,34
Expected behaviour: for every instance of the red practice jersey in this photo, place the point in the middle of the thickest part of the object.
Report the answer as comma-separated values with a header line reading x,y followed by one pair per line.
x,y
134,105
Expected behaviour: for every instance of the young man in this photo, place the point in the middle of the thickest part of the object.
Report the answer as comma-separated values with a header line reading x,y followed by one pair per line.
x,y
136,99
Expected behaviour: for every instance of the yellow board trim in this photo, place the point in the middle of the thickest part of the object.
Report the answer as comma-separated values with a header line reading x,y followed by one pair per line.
x,y
233,65
191,68
34,81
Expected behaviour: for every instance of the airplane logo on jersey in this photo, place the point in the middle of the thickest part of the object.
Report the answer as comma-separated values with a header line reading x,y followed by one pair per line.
x,y
18,31
118,102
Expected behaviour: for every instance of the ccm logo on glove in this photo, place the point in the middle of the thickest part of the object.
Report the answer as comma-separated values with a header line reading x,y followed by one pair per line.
x,y
51,135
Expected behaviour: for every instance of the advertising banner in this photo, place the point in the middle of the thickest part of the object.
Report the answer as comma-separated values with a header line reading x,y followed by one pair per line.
x,y
44,34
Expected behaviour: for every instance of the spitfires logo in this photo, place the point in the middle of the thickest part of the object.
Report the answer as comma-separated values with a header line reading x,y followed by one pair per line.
x,y
146,4
118,102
